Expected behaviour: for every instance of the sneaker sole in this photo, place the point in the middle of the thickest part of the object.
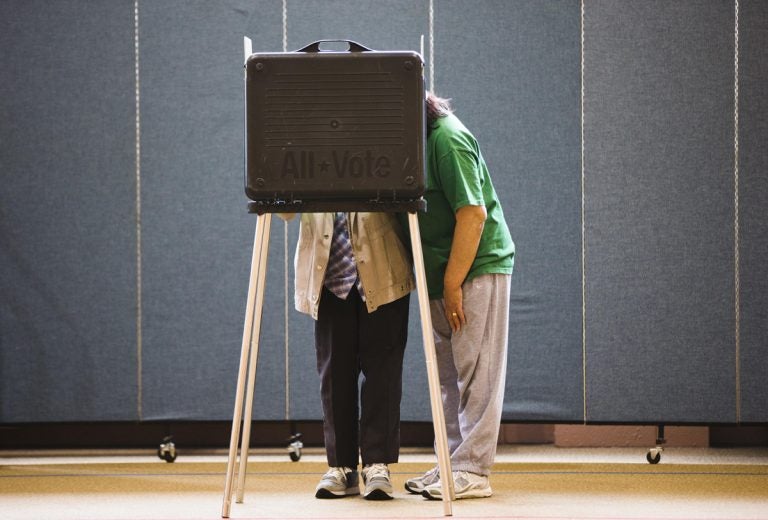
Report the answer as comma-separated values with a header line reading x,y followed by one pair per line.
x,y
327,493
378,494
475,493
415,491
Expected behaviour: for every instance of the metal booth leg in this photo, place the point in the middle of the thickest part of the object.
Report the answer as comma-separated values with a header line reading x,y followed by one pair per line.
x,y
255,334
438,418
255,292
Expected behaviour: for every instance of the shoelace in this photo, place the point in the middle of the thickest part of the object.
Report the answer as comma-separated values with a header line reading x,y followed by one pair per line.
x,y
434,472
339,473
376,471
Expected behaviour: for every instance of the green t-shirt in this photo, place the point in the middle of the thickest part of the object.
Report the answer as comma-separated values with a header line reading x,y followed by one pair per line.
x,y
458,176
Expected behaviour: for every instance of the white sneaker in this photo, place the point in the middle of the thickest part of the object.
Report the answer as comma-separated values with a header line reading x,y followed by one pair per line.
x,y
465,485
377,483
338,483
416,485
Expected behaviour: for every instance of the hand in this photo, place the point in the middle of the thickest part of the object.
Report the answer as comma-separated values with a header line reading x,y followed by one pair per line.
x,y
454,308
466,238
287,217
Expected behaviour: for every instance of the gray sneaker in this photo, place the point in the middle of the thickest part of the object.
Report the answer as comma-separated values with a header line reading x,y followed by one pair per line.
x,y
416,485
465,485
338,483
377,483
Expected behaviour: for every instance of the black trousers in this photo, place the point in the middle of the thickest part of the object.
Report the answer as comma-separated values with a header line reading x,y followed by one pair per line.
x,y
349,342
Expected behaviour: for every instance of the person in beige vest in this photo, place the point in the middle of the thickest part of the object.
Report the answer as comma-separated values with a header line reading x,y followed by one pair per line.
x,y
353,275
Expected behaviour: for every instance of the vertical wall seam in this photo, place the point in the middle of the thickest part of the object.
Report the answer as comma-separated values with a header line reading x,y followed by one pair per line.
x,y
583,239
736,245
137,91
431,45
285,259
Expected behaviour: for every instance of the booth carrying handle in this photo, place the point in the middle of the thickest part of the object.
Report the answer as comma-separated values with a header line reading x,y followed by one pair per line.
x,y
352,46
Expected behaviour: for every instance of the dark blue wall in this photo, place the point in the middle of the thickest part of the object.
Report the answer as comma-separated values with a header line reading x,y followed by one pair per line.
x,y
639,292
658,137
67,212
753,224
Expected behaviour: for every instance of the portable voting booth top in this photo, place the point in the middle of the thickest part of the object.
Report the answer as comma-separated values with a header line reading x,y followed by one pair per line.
x,y
335,130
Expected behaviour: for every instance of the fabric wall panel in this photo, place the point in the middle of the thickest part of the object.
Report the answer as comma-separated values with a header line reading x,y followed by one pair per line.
x,y
393,25
197,236
67,248
661,337
658,138
753,199
519,95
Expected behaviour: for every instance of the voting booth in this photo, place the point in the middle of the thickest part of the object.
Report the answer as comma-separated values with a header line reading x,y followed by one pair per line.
x,y
330,130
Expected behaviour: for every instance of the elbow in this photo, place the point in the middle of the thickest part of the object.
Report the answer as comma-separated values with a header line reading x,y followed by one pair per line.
x,y
472,214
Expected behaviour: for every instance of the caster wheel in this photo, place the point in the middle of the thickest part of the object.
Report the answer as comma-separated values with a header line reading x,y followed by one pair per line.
x,y
167,450
294,447
653,456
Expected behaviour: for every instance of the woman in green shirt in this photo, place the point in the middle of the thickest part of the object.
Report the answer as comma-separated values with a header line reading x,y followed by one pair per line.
x,y
468,259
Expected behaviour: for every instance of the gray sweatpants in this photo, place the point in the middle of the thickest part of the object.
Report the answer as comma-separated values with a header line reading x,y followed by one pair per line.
x,y
473,367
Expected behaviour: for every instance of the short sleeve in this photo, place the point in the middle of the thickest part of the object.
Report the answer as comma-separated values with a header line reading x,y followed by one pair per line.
x,y
461,179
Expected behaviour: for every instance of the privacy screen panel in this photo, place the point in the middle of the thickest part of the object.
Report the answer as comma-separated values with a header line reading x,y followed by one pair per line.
x,y
520,97
67,219
638,212
196,234
659,211
753,201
